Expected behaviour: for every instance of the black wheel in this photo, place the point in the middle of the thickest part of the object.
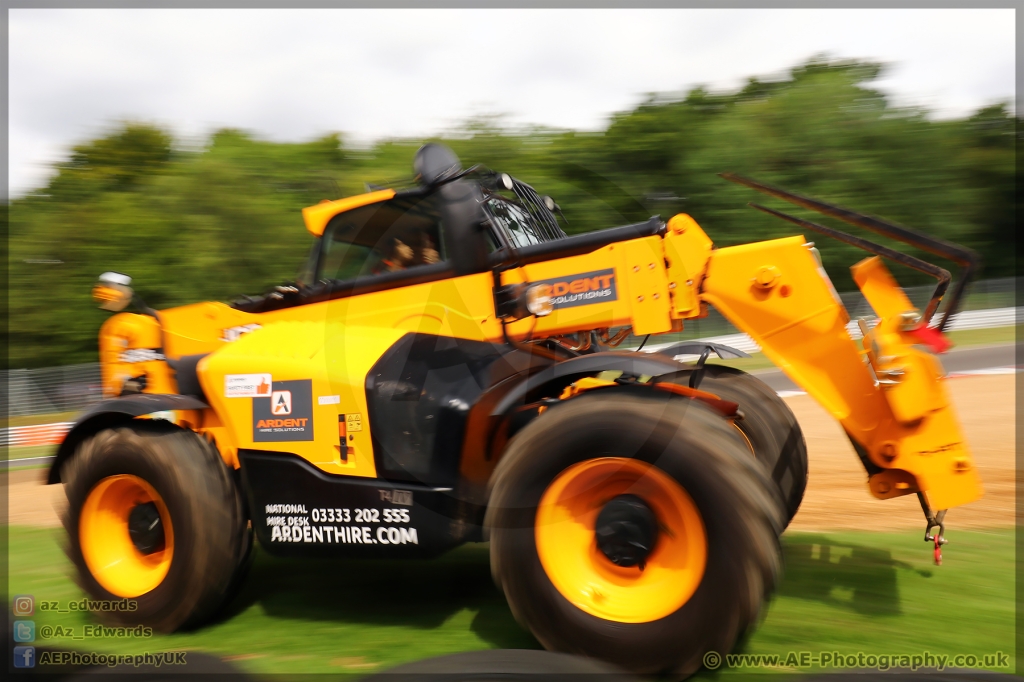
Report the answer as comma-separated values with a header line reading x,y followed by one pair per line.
x,y
155,521
635,529
769,426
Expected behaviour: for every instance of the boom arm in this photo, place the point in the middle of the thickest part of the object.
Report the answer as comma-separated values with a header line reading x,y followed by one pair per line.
x,y
889,395
887,392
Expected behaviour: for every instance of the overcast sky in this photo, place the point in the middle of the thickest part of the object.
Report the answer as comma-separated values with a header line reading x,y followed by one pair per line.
x,y
292,75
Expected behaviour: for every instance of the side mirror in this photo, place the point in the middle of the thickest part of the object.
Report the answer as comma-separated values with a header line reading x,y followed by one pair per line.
x,y
113,291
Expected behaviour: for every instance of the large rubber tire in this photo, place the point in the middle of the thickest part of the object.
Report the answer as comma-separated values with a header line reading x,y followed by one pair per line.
x,y
699,451
769,425
209,535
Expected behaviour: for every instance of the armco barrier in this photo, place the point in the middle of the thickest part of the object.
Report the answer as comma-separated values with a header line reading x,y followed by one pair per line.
x,y
37,434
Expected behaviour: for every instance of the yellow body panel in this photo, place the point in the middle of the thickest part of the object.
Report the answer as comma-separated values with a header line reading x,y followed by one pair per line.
x,y
915,390
797,322
333,344
647,285
687,250
462,307
317,217
334,357
924,437
201,327
880,288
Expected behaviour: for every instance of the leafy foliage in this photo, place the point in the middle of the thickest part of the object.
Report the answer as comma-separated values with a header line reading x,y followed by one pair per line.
x,y
224,220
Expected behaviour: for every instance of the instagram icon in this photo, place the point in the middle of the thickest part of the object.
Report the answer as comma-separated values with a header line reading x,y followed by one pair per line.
x,y
23,605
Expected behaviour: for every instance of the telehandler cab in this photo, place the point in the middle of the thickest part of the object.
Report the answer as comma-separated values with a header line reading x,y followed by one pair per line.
x,y
444,373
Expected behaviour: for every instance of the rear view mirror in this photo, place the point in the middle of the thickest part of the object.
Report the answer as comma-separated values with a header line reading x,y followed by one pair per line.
x,y
113,291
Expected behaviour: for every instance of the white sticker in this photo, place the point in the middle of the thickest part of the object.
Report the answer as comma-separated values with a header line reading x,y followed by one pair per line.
x,y
234,333
396,496
247,385
133,355
328,399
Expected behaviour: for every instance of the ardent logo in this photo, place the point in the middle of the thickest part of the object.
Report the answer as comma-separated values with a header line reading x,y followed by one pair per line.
x,y
581,289
284,412
281,423
281,403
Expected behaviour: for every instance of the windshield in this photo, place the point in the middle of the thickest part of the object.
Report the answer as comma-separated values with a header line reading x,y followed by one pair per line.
x,y
388,237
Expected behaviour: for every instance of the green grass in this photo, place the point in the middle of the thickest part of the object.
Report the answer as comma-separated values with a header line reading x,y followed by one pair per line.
x,y
14,454
847,592
880,593
33,419
982,337
31,451
309,616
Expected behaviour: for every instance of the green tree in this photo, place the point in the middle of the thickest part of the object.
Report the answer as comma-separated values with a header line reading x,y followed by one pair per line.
x,y
212,223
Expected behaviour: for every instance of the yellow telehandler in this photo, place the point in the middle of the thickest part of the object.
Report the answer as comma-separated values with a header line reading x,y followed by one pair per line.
x,y
445,371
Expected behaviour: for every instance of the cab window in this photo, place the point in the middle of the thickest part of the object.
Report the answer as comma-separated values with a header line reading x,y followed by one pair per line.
x,y
514,221
396,235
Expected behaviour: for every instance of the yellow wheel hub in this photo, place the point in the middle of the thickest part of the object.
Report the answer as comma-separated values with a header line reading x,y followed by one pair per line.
x,y
567,546
107,546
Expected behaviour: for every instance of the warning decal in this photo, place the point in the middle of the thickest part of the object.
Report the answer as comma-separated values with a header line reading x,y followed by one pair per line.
x,y
286,414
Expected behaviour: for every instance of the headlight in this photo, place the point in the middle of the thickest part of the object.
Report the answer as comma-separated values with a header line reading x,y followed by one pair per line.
x,y
538,300
516,301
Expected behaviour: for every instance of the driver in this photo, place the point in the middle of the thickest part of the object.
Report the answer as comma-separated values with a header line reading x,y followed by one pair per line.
x,y
400,256
426,252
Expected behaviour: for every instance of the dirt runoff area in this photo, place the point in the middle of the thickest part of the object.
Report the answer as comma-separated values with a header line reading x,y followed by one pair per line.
x,y
837,495
837,492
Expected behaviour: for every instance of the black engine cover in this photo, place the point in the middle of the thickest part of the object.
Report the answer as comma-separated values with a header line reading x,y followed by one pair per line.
x,y
298,510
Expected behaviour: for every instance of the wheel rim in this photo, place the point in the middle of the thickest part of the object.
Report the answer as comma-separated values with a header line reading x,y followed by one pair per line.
x,y
116,506
580,571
